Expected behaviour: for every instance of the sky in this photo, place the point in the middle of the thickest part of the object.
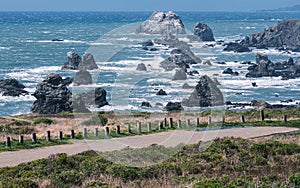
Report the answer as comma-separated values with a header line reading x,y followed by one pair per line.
x,y
143,5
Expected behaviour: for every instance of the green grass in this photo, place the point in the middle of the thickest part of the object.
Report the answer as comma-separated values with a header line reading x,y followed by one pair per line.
x,y
28,144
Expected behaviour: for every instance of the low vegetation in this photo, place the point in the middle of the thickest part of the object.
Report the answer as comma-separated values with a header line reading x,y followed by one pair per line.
x,y
226,162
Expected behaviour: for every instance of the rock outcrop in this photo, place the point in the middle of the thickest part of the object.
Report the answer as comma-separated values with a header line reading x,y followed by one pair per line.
x,y
285,36
141,67
205,94
11,87
160,23
75,62
173,106
202,32
82,77
179,75
52,96
237,47
266,68
263,67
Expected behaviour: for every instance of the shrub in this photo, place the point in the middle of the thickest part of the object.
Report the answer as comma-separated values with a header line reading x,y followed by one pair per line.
x,y
96,184
295,180
43,121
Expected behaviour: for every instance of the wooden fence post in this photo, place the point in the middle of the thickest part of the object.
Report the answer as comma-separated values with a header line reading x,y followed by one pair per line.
x,y
48,136
33,137
118,131
21,139
8,143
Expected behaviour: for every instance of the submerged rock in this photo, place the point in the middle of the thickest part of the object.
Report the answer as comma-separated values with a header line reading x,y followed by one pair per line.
x,y
202,32
12,87
160,23
205,94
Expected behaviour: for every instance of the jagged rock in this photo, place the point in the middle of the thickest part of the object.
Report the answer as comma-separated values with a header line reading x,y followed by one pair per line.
x,y
160,23
141,67
173,106
236,47
11,87
161,92
205,94
52,96
284,35
146,104
202,32
180,75
96,97
88,62
82,77
75,62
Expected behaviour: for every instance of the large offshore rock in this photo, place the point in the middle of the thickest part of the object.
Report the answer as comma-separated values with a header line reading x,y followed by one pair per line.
x,y
205,94
284,35
52,96
202,32
161,22
11,87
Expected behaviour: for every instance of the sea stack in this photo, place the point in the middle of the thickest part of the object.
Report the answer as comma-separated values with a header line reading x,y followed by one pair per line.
x,y
161,23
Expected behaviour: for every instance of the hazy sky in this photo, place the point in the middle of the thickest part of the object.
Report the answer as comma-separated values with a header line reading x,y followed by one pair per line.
x,y
143,5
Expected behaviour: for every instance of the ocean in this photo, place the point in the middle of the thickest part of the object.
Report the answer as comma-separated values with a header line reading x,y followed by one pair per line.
x,y
28,54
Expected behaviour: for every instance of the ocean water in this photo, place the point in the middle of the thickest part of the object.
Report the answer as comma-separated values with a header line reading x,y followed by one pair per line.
x,y
28,54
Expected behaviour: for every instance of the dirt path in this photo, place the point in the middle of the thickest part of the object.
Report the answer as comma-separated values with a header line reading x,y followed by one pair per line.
x,y
167,139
